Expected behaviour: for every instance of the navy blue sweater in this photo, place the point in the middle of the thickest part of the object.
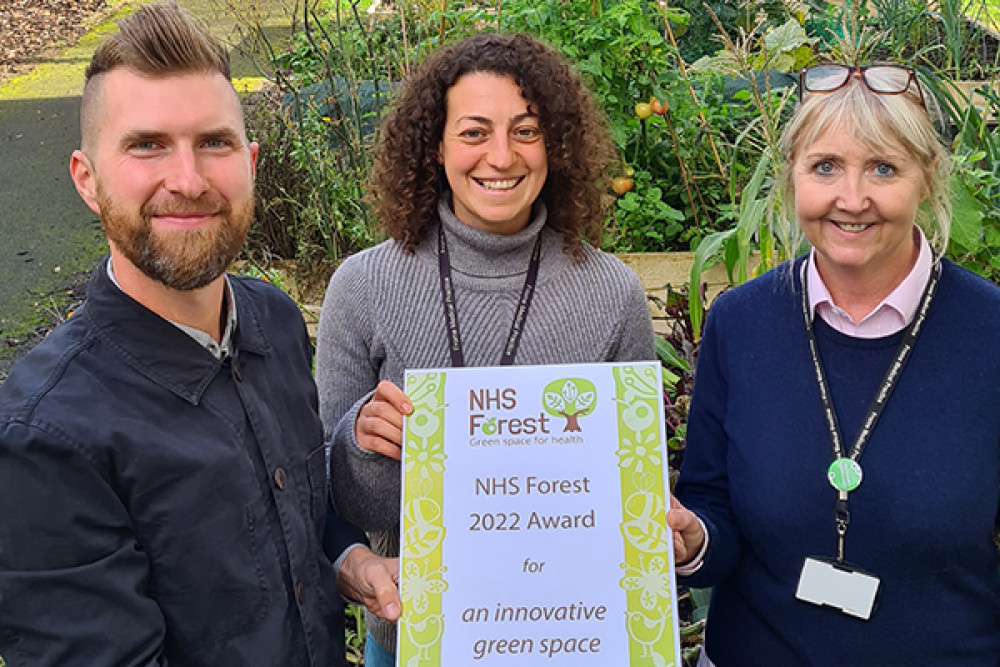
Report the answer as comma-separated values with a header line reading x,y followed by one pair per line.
x,y
923,520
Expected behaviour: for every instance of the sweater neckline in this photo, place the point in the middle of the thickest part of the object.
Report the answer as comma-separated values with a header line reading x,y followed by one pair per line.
x,y
827,332
479,254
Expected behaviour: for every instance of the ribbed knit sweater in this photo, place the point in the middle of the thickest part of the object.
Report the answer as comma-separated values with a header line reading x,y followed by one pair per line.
x,y
383,314
924,518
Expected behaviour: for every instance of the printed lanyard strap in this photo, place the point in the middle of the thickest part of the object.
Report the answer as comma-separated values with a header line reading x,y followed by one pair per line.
x,y
889,382
451,310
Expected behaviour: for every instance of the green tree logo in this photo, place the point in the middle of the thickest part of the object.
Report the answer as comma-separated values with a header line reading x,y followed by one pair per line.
x,y
570,398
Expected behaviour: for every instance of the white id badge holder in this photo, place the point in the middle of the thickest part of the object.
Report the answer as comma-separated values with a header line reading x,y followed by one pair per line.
x,y
838,585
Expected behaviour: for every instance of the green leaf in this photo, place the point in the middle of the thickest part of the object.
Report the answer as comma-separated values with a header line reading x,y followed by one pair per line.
x,y
668,354
654,194
673,229
630,202
967,216
670,380
700,597
706,255
721,62
670,213
787,37
591,65
991,237
803,56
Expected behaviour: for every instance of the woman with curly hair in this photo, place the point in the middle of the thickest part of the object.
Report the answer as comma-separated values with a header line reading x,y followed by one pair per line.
x,y
487,178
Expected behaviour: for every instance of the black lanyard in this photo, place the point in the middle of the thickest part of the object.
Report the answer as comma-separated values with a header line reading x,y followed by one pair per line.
x,y
451,310
845,472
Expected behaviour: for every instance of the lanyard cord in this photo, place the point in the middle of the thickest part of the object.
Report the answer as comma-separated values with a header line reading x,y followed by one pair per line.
x,y
877,406
451,309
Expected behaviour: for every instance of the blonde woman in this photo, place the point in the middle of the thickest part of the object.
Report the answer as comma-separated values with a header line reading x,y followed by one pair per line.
x,y
841,484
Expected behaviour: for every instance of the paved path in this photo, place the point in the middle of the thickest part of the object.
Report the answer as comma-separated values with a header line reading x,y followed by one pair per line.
x,y
48,238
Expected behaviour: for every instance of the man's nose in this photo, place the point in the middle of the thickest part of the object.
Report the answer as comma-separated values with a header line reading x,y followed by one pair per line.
x,y
184,174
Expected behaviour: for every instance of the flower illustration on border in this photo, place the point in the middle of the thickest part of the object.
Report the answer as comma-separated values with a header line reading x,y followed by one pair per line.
x,y
652,582
636,453
427,454
416,586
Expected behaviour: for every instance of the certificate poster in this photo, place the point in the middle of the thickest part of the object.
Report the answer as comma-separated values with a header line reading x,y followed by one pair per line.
x,y
534,519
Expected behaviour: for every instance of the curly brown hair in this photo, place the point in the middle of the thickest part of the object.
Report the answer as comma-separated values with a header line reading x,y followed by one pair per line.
x,y
407,179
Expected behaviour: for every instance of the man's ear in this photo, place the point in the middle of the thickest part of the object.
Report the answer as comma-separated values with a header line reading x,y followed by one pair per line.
x,y
85,180
254,152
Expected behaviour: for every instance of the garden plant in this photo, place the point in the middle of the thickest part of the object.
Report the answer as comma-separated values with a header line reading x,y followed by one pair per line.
x,y
695,95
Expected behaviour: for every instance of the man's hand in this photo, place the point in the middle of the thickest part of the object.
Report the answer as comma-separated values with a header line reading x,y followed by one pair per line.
x,y
688,534
372,581
379,425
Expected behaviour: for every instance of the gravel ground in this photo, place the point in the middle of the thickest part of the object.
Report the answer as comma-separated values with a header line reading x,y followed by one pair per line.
x,y
31,29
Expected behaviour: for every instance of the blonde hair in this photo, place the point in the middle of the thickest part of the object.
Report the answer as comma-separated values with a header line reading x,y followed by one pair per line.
x,y
882,122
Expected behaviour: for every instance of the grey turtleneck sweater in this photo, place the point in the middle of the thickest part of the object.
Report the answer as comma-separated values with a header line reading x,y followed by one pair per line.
x,y
383,314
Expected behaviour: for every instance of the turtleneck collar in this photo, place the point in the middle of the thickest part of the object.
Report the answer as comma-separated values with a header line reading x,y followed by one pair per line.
x,y
479,254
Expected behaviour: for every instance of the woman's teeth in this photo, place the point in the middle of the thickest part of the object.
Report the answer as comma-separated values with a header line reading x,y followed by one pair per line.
x,y
852,228
505,184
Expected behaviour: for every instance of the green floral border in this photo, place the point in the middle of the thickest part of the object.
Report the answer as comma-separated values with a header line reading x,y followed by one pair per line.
x,y
649,615
422,562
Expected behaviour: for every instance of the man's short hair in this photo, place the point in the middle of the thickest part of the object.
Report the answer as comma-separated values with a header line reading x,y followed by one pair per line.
x,y
158,40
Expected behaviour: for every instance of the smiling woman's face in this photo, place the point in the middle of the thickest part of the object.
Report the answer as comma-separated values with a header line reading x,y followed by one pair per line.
x,y
493,153
858,207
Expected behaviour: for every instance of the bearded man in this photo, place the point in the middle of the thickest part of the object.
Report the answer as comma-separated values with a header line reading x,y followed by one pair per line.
x,y
163,485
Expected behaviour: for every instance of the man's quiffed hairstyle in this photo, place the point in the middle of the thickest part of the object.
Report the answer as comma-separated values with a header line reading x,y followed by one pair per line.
x,y
160,39
408,179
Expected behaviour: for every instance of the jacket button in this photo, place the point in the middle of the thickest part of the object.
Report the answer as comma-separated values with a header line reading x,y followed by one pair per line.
x,y
280,478
300,592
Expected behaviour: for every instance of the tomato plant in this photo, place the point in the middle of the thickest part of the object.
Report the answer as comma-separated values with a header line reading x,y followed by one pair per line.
x,y
622,184
641,221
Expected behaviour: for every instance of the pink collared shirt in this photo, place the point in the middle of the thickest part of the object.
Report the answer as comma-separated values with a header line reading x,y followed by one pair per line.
x,y
892,315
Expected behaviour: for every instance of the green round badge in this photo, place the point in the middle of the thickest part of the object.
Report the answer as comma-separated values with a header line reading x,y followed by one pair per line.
x,y
844,474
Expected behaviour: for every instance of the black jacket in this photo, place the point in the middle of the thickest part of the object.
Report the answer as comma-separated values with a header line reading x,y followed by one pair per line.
x,y
158,505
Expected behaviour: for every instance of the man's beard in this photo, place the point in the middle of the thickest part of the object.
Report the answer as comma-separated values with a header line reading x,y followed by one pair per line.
x,y
180,259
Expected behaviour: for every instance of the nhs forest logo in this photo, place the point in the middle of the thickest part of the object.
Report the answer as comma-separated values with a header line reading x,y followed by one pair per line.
x,y
570,398
499,416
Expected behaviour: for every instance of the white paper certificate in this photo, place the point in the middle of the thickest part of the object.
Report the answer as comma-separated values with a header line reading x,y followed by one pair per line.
x,y
534,518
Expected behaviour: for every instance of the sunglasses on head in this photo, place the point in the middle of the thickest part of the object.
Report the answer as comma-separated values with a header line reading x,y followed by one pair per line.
x,y
880,79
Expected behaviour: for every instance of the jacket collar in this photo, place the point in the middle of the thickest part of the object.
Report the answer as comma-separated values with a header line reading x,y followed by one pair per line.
x,y
159,350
